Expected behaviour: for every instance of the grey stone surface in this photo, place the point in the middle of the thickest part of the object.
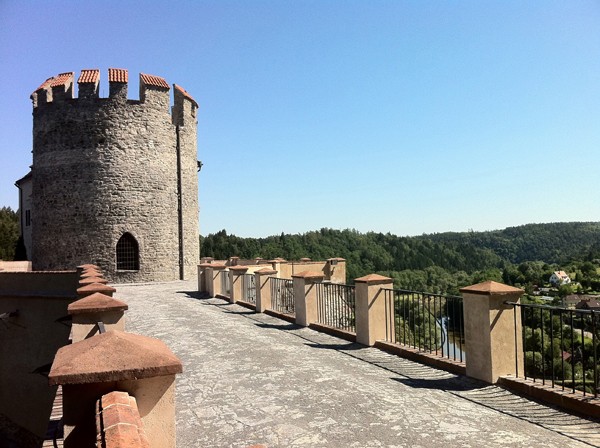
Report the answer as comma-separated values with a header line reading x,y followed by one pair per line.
x,y
106,166
251,378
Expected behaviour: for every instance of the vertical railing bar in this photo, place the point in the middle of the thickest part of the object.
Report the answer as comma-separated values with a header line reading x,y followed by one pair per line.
x,y
583,351
562,349
572,352
594,354
516,343
552,343
435,341
542,348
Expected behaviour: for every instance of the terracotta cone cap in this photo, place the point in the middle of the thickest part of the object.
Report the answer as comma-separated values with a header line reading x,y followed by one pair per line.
x,y
90,280
94,287
113,356
373,279
491,288
90,273
266,271
96,303
87,266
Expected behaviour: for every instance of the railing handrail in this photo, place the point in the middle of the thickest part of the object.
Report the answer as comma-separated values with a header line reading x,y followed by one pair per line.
x,y
432,294
551,307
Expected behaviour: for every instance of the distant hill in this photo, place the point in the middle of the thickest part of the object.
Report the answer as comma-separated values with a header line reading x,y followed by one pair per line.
x,y
467,252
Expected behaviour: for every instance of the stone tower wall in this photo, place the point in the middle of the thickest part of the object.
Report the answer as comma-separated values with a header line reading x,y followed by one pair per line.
x,y
106,166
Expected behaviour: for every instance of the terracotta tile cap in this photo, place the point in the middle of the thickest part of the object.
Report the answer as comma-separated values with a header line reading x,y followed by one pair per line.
x,y
94,287
239,269
278,260
185,94
113,356
218,266
95,303
336,259
156,81
86,266
90,280
118,75
62,79
87,273
308,275
205,265
89,76
373,279
44,85
305,259
266,271
490,287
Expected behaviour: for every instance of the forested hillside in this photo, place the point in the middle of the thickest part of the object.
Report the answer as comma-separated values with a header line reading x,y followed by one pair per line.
x,y
9,233
444,261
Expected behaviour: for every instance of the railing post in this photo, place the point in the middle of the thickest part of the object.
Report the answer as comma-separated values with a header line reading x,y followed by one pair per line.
x,y
202,283
370,307
236,276
213,282
305,296
263,289
490,345
90,310
142,366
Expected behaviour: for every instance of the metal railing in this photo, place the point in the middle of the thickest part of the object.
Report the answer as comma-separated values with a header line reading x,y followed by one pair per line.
x,y
431,323
248,288
225,283
282,295
560,346
336,306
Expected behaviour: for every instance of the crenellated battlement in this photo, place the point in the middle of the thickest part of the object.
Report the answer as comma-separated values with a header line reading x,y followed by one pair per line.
x,y
153,90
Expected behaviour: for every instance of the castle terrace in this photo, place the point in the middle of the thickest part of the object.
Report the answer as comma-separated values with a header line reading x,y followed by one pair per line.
x,y
250,378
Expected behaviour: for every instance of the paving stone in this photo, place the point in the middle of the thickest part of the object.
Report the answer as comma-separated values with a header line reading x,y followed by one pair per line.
x,y
254,379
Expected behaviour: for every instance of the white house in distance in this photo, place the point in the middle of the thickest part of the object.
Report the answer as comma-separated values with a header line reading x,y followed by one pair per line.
x,y
559,278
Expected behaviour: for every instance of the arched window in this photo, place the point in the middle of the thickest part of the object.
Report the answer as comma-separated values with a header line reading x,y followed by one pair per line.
x,y
128,254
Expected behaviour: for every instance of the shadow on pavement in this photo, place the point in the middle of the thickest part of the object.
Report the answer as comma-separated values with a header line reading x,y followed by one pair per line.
x,y
347,346
450,384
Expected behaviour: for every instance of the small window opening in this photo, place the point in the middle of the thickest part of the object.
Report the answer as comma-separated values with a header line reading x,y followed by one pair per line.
x,y
128,254
27,218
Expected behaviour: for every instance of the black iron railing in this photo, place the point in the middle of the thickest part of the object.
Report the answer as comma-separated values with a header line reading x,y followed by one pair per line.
x,y
282,295
225,283
336,306
427,322
560,346
248,288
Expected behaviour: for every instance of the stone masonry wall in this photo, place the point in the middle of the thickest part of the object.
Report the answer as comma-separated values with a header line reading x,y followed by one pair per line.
x,y
106,166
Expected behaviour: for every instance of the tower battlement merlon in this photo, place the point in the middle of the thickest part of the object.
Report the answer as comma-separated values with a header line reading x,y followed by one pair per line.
x,y
62,87
184,106
88,82
154,90
117,81
43,93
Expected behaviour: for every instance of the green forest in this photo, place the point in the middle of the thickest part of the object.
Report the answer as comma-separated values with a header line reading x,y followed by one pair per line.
x,y
523,256
9,233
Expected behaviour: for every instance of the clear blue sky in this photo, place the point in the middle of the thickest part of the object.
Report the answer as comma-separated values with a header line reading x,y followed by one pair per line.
x,y
402,116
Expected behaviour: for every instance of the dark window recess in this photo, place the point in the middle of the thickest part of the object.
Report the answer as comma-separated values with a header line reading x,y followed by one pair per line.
x,y
128,254
27,218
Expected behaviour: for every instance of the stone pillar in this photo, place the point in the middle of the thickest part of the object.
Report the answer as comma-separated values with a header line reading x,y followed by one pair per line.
x,y
90,310
142,366
490,333
213,282
305,296
236,278
202,283
263,288
370,308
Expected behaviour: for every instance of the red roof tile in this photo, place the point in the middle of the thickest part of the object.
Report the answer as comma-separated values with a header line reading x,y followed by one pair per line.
x,y
186,94
45,84
89,76
62,79
156,81
118,75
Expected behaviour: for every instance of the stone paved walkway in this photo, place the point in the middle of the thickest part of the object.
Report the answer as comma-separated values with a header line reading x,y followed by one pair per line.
x,y
251,378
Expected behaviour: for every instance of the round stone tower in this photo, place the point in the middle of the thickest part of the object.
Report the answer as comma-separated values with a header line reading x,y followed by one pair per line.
x,y
115,180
